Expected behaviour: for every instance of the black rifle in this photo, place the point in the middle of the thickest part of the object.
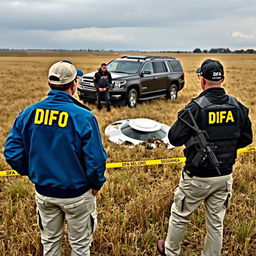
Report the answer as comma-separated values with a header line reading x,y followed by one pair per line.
x,y
204,148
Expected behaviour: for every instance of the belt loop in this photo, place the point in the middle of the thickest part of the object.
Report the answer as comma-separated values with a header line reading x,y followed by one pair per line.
x,y
188,173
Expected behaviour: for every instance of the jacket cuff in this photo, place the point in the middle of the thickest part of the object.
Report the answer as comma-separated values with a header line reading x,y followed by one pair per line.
x,y
97,187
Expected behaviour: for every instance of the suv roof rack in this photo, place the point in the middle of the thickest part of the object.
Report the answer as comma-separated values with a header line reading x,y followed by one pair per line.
x,y
161,57
146,57
135,57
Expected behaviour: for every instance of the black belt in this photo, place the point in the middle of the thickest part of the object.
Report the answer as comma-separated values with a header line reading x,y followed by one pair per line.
x,y
191,174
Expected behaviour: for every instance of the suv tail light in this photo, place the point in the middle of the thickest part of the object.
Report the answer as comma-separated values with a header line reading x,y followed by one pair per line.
x,y
183,76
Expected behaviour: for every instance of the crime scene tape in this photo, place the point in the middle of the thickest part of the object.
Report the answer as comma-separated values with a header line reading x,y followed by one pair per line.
x,y
174,160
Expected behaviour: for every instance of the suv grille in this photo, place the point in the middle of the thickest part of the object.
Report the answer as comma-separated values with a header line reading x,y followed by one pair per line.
x,y
87,81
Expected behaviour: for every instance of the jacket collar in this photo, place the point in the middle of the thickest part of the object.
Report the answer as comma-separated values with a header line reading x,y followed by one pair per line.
x,y
215,90
60,95
64,96
103,73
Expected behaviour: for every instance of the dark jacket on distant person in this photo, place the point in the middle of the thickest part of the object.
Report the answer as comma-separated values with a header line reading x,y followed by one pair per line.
x,y
102,79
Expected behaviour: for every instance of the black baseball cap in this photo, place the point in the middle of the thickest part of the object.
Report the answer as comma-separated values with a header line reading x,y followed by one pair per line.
x,y
211,70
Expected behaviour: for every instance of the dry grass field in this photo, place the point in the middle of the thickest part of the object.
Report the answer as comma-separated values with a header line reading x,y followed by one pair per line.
x,y
134,204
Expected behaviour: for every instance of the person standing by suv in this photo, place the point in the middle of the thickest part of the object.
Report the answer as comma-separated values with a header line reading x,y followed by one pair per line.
x,y
56,143
228,126
103,80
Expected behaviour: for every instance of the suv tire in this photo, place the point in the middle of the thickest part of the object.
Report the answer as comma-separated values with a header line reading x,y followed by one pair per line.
x,y
172,92
132,98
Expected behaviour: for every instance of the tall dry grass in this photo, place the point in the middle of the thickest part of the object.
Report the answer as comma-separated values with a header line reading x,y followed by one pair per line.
x,y
134,204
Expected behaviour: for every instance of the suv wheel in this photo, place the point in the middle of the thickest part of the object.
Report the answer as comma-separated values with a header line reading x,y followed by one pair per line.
x,y
132,98
172,92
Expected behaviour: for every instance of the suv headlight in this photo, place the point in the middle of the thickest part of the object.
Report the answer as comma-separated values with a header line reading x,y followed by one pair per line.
x,y
119,84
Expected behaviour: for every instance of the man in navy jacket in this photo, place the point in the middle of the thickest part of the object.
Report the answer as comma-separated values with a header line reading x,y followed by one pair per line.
x,y
57,144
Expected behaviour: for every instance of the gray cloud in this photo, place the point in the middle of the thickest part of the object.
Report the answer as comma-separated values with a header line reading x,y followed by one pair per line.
x,y
113,24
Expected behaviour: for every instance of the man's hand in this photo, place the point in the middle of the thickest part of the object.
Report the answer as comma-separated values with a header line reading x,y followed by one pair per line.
x,y
94,192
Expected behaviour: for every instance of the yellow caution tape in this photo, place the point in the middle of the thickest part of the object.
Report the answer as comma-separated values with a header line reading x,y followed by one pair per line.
x,y
174,160
8,173
147,162
245,150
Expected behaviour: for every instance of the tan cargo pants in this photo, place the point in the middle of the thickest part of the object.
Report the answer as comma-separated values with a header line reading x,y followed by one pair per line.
x,y
81,216
215,192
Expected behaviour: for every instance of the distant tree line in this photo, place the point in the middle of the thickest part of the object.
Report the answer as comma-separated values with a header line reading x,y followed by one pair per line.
x,y
196,50
223,50
52,50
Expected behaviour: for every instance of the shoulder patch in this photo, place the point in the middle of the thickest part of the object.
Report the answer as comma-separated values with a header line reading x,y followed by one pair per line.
x,y
202,101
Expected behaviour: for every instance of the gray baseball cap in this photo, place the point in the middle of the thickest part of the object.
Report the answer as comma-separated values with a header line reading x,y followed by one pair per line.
x,y
61,73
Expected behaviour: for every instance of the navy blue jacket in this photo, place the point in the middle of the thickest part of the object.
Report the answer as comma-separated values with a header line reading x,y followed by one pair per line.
x,y
57,143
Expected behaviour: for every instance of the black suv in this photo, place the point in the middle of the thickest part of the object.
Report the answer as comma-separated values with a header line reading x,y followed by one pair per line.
x,y
138,78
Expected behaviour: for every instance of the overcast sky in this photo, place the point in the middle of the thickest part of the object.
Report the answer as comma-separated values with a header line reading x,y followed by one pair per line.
x,y
128,24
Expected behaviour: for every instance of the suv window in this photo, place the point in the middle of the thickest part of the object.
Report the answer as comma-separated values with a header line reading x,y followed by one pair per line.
x,y
148,67
129,67
175,66
112,65
159,67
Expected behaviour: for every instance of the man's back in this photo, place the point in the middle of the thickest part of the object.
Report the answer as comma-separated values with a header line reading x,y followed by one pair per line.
x,y
212,127
57,144
62,144
227,135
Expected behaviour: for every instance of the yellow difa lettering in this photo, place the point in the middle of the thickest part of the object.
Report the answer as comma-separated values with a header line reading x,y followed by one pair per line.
x,y
230,117
219,117
222,116
212,118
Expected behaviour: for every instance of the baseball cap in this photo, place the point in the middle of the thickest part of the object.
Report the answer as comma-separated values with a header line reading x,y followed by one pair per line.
x,y
211,70
78,71
198,71
62,72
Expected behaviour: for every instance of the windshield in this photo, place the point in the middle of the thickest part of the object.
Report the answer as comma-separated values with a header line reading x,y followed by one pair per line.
x,y
128,67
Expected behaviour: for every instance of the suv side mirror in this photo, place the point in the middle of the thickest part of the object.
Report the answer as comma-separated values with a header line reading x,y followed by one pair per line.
x,y
145,72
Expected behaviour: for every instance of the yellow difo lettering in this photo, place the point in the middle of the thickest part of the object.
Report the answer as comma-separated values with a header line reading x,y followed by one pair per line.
x,y
212,118
63,119
230,117
46,116
39,116
53,116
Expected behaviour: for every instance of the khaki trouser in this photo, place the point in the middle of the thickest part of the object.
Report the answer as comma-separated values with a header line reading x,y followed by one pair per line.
x,y
215,192
81,216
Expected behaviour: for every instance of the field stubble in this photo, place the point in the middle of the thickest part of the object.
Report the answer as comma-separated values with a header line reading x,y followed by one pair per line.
x,y
134,205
